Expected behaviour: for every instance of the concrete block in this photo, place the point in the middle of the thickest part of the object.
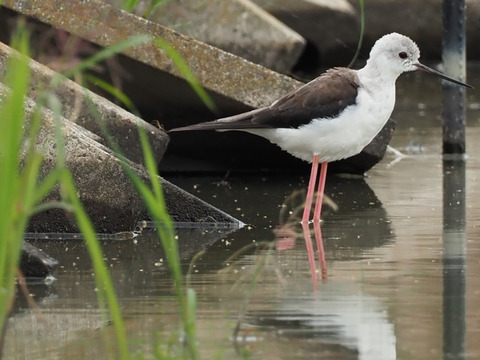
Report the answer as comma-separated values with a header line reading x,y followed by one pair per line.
x,y
331,28
421,21
239,27
76,102
218,71
103,187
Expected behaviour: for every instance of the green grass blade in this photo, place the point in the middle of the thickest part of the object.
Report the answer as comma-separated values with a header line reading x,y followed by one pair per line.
x,y
107,53
154,200
153,5
362,31
150,163
186,72
14,207
117,93
129,5
106,293
102,277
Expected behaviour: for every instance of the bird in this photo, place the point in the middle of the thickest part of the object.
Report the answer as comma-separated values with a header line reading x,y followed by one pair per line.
x,y
333,116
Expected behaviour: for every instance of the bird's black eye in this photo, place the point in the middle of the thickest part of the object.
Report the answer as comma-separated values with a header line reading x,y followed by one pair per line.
x,y
402,55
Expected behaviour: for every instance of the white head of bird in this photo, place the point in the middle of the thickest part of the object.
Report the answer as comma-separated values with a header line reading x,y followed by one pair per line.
x,y
394,54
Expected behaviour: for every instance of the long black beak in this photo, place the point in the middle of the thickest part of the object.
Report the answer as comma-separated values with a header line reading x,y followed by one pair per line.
x,y
440,75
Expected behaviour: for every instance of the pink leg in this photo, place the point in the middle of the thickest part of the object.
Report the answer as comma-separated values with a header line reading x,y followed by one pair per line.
x,y
311,255
321,250
321,189
311,189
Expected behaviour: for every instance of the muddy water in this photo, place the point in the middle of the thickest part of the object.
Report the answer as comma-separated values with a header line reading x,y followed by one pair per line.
x,y
391,273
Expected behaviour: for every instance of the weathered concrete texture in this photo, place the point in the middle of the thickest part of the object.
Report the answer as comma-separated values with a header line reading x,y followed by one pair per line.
x,y
218,71
237,26
77,103
102,185
106,192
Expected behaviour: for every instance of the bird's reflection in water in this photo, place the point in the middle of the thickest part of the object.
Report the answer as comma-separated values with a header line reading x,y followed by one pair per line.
x,y
292,228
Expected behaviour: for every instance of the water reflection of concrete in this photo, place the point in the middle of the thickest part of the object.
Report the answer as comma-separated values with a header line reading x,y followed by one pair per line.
x,y
135,262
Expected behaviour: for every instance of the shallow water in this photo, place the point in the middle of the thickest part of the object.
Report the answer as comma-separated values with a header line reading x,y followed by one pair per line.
x,y
391,273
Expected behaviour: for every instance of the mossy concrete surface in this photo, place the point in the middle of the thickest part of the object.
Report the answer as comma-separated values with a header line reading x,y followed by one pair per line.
x,y
218,71
77,103
239,27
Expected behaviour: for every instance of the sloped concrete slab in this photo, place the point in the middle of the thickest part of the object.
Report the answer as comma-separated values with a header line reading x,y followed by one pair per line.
x,y
218,71
103,187
77,101
237,26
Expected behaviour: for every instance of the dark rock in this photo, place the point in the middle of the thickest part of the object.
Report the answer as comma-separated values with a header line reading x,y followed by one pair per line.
x,y
35,263
235,151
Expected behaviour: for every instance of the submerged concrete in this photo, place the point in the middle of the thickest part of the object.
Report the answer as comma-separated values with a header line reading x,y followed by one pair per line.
x,y
105,190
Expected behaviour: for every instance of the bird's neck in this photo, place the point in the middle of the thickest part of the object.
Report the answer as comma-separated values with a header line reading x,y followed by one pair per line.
x,y
375,77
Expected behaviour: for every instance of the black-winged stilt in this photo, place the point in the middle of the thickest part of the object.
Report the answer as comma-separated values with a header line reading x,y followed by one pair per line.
x,y
335,115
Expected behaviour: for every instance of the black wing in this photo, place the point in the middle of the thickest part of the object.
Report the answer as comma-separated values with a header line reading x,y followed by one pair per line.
x,y
324,97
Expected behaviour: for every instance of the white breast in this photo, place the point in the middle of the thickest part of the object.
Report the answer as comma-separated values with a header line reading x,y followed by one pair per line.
x,y
340,137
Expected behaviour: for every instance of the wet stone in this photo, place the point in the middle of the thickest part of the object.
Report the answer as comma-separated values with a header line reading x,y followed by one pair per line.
x,y
35,263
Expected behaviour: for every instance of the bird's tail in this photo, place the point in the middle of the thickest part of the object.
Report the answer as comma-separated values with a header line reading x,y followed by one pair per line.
x,y
235,122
